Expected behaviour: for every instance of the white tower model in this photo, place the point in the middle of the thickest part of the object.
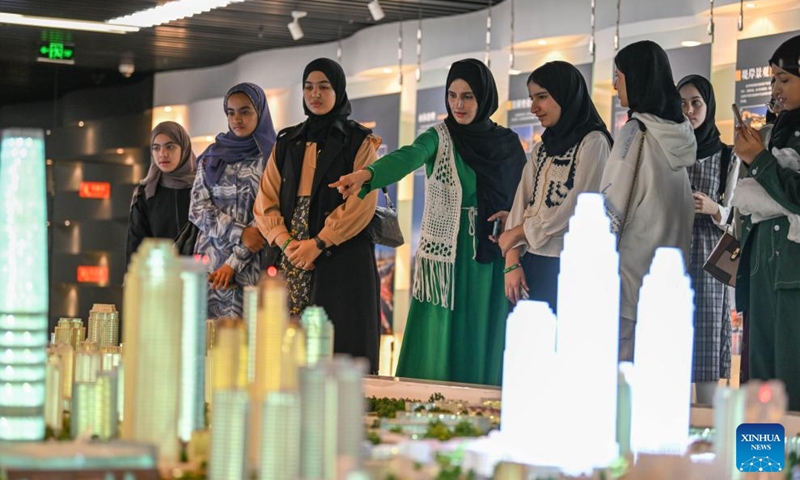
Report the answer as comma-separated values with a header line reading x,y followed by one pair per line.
x,y
23,285
588,329
661,394
529,364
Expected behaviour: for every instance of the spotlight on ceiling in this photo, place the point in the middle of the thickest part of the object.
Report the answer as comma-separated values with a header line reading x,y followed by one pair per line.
x,y
294,25
376,10
126,65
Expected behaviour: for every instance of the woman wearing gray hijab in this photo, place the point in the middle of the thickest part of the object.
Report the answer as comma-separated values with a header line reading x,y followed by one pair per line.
x,y
160,204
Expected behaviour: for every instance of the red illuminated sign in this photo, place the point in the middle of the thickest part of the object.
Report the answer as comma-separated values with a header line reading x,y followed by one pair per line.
x,y
92,274
95,190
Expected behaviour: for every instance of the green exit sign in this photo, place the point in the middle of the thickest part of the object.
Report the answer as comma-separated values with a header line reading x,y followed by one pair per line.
x,y
56,52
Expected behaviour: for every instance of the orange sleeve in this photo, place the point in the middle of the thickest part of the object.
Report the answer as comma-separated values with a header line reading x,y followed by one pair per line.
x,y
267,209
351,217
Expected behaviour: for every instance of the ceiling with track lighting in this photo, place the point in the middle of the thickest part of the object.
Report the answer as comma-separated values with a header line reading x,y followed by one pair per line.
x,y
210,38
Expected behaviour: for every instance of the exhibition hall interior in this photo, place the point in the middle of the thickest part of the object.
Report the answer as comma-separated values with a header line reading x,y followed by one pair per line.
x,y
400,239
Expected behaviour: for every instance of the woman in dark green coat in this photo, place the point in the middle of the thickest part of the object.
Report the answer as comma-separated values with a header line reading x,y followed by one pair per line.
x,y
768,281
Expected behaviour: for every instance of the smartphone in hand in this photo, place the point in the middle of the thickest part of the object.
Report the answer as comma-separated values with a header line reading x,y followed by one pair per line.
x,y
496,228
737,115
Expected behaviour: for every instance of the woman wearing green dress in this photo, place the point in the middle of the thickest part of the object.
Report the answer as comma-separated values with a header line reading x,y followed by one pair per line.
x,y
456,323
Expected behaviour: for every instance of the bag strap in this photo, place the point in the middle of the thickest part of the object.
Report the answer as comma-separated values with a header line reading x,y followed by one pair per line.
x,y
729,221
730,217
725,164
389,203
643,129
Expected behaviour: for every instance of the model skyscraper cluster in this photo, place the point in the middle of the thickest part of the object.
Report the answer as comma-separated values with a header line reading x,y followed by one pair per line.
x,y
284,406
574,357
554,353
265,403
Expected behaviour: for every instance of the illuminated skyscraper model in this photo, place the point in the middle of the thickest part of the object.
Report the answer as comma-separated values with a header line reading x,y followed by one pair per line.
x,y
319,334
87,362
331,416
280,351
250,315
587,328
316,433
542,353
230,414
70,330
94,407
54,393
151,358
661,393
23,285
193,347
280,436
103,325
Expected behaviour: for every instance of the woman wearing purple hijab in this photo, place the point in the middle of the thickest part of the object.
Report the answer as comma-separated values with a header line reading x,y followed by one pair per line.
x,y
224,191
160,203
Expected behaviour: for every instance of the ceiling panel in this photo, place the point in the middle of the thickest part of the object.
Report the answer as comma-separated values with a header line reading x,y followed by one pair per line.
x,y
213,38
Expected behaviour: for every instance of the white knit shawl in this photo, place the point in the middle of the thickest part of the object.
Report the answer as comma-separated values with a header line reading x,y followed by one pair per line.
x,y
435,261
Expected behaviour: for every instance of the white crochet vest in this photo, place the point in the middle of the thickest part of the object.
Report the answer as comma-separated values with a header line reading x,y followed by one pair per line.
x,y
435,261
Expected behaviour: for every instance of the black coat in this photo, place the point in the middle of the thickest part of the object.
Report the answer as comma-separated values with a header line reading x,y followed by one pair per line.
x,y
160,216
345,279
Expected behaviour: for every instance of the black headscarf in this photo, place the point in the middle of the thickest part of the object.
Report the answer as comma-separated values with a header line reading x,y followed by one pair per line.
x,y
707,134
578,115
493,152
787,57
648,79
317,126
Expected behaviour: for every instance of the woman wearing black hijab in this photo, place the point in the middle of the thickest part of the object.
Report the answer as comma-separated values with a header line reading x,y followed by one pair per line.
x,y
768,280
456,323
327,259
648,194
713,178
567,162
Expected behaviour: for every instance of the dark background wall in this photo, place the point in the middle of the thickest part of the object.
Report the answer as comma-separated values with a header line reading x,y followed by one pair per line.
x,y
95,135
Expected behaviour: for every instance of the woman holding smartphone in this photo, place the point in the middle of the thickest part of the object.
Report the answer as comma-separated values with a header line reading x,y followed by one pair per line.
x,y
567,161
768,280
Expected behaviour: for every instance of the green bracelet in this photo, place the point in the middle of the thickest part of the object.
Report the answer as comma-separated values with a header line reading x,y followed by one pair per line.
x,y
511,268
286,243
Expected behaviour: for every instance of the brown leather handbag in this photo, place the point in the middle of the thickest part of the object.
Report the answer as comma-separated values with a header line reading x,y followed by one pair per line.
x,y
723,262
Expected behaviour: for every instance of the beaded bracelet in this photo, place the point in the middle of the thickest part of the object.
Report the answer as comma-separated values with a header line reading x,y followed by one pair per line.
x,y
286,243
511,268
